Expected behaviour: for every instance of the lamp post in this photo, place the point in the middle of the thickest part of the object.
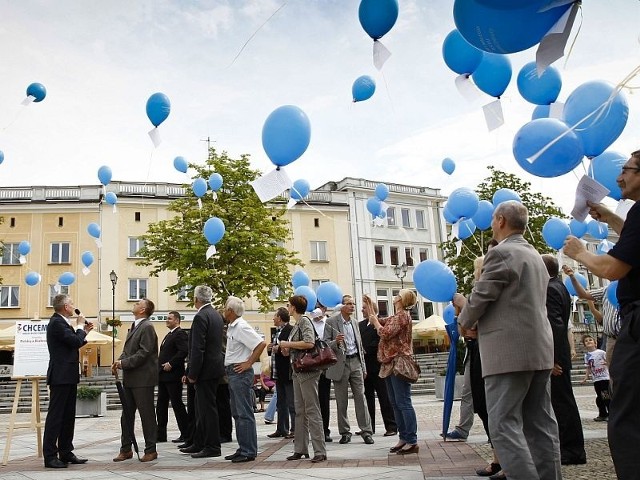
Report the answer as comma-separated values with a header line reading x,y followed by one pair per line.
x,y
401,271
114,280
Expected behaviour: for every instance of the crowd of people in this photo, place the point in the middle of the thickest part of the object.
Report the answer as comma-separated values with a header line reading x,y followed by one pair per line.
x,y
515,322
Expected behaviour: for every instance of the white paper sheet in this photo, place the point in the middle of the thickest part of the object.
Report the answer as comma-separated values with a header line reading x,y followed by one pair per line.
x,y
380,54
493,115
588,190
271,185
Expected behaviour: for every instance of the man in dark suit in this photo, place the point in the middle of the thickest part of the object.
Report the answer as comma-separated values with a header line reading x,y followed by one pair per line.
x,y
280,372
206,367
139,364
173,351
507,307
63,376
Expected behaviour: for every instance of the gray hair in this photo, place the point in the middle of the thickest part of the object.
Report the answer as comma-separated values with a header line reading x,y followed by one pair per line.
x,y
59,301
203,293
514,213
236,305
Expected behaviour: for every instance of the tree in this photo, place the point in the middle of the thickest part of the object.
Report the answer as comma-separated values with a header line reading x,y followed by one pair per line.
x,y
251,258
540,209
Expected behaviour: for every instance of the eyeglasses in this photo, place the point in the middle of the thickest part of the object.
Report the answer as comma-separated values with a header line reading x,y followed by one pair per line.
x,y
635,169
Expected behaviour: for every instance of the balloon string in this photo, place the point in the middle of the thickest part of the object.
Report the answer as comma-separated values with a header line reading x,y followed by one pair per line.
x,y
144,187
15,119
254,34
386,87
575,38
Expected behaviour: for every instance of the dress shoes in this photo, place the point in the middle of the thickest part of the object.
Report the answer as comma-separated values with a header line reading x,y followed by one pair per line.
x,y
206,452
242,459
276,434
489,470
232,456
55,463
345,438
123,456
395,448
180,439
186,444
298,456
289,435
406,450
390,433
498,476
328,439
191,449
319,458
368,439
147,457
71,458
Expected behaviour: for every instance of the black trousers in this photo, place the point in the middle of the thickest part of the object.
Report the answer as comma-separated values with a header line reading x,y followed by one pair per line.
x,y
60,423
171,391
324,395
568,418
223,399
207,431
477,385
374,385
285,407
603,397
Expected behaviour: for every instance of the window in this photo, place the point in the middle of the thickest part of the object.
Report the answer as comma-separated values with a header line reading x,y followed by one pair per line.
x,y
135,244
316,222
10,254
428,309
9,296
316,283
408,256
136,216
393,255
61,221
379,254
391,216
63,289
319,251
60,252
12,222
420,222
404,213
184,293
276,292
424,254
415,314
383,308
137,288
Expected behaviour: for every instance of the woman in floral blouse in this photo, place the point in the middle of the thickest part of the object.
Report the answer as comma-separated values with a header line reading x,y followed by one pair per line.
x,y
395,340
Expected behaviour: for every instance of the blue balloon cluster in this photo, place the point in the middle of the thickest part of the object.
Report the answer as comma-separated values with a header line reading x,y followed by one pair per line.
x,y
554,232
300,279
377,17
539,90
578,228
459,55
435,281
449,314
94,230
580,278
32,279
215,182
300,189
466,228
504,195
606,168
463,202
286,135
598,230
158,108
67,278
448,166
308,293
37,91
363,88
483,216
329,294
111,198
199,187
104,175
213,230
87,258
180,164
611,292
493,74
24,247
374,206
382,192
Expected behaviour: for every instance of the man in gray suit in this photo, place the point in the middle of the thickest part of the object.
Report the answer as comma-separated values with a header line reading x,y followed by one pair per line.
x,y
343,336
507,306
139,364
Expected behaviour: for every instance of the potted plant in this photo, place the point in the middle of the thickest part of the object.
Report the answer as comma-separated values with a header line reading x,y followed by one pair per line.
x,y
90,401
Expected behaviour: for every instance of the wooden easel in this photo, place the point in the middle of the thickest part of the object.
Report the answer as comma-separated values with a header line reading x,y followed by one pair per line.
x,y
35,421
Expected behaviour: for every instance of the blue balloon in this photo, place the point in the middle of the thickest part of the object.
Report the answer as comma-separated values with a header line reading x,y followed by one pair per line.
x,y
87,258
547,148
539,90
158,108
374,205
32,279
67,278
180,164
329,294
300,279
363,88
606,168
459,55
555,231
24,247
448,216
382,214
300,189
199,187
608,114
449,314
578,228
309,294
1,156
466,228
541,111
599,230
435,281
448,166
94,230
483,216
612,291
377,17
463,202
509,30
215,182
111,198
604,246
37,91
286,134
382,192
504,195
493,74
581,279
104,175
213,230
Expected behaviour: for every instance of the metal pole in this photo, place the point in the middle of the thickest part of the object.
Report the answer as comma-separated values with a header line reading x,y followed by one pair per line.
x,y
113,320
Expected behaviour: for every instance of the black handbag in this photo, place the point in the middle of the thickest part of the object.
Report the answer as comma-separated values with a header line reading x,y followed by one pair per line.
x,y
320,357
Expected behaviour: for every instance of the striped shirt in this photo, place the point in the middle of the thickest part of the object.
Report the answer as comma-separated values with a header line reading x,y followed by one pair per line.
x,y
610,317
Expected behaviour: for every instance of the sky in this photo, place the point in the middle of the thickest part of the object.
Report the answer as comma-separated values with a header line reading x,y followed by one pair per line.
x,y
100,61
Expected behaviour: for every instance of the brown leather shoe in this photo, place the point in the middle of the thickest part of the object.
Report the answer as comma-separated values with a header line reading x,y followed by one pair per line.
x,y
147,457
123,456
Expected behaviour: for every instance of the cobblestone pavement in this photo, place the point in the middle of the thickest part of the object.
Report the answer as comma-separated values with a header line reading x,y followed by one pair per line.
x,y
98,440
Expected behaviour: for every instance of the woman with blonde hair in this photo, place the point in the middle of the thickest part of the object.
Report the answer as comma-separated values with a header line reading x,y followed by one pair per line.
x,y
395,340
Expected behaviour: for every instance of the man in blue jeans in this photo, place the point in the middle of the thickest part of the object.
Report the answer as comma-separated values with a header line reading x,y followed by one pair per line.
x,y
244,347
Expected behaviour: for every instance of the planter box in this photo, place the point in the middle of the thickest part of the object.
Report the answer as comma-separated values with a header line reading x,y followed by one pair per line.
x,y
457,392
92,408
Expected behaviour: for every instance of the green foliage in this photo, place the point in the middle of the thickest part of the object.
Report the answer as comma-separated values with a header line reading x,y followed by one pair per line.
x,y
540,209
88,393
251,257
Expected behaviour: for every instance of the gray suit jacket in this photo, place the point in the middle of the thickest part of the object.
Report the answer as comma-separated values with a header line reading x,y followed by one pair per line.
x,y
140,357
331,329
508,303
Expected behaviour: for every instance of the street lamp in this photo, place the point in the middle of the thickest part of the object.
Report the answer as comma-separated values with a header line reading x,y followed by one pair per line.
x,y
114,279
401,272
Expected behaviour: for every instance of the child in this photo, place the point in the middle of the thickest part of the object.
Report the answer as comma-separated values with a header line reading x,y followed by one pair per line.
x,y
596,363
